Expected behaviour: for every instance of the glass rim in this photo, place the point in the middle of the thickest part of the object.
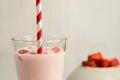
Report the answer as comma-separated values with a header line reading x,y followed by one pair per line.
x,y
20,38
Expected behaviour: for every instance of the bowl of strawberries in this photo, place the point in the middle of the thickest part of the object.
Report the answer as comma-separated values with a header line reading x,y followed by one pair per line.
x,y
97,67
97,60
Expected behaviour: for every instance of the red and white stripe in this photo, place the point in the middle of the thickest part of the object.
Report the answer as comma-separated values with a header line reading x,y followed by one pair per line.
x,y
39,25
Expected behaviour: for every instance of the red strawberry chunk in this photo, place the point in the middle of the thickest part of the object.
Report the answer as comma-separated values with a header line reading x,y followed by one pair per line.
x,y
91,63
105,62
114,62
23,51
95,56
56,49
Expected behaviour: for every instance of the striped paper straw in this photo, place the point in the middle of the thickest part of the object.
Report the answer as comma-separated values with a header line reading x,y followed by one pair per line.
x,y
39,25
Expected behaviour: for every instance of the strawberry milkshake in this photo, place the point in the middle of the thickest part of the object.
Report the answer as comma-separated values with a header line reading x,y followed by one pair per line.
x,y
46,66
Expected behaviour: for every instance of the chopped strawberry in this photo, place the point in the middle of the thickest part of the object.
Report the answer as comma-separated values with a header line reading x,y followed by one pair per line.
x,y
96,60
23,51
91,63
114,62
95,56
105,62
56,49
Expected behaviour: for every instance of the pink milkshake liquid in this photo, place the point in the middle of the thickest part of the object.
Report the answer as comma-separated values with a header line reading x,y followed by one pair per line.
x,y
46,66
